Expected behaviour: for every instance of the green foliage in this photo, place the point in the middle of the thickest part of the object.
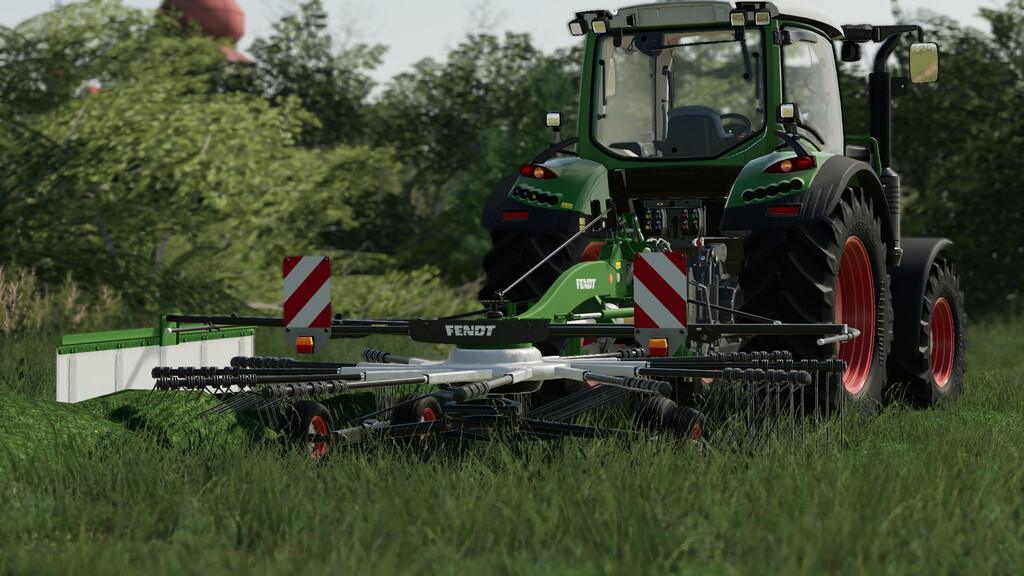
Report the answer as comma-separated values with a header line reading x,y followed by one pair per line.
x,y
28,307
175,192
956,146
960,143
300,59
459,128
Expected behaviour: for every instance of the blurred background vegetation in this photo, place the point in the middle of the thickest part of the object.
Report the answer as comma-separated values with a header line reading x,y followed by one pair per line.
x,y
142,172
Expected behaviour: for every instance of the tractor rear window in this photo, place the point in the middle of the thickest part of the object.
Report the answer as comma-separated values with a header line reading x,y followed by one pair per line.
x,y
678,94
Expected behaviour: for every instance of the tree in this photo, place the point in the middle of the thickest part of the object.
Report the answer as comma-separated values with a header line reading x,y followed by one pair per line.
x,y
460,127
300,59
177,192
957,145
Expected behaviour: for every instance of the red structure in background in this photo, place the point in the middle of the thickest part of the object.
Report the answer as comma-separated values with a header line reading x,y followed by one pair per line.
x,y
217,18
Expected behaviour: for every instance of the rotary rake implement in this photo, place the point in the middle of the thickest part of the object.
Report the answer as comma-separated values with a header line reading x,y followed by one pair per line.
x,y
655,376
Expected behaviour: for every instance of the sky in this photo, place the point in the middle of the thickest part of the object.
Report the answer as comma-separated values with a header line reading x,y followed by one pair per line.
x,y
415,29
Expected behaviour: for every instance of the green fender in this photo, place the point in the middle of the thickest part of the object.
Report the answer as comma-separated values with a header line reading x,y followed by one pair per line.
x,y
548,205
819,192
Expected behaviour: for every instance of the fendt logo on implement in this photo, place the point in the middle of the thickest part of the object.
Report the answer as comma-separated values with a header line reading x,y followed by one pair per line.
x,y
469,329
586,283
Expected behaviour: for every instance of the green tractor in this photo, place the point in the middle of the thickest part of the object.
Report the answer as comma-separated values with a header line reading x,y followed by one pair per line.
x,y
719,124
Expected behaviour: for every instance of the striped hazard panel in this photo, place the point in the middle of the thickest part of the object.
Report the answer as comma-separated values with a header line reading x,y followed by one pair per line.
x,y
659,290
307,292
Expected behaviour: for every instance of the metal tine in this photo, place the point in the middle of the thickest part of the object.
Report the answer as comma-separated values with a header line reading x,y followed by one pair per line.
x,y
775,419
249,398
231,403
792,417
762,414
273,403
828,416
212,408
151,393
606,393
383,410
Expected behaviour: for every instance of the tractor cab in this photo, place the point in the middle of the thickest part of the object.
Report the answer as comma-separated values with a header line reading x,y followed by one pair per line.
x,y
696,82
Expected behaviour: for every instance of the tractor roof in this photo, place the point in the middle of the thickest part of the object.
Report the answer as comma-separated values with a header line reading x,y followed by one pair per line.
x,y
709,11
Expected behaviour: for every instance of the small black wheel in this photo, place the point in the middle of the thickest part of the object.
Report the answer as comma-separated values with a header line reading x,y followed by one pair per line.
x,y
651,412
305,418
935,377
685,422
423,408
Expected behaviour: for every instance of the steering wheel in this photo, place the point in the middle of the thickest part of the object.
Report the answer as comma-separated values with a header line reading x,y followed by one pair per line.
x,y
745,126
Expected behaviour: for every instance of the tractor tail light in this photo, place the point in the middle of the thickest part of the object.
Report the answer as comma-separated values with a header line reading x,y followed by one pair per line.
x,y
792,165
537,172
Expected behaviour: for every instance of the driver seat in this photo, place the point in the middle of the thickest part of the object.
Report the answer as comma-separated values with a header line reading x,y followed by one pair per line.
x,y
694,132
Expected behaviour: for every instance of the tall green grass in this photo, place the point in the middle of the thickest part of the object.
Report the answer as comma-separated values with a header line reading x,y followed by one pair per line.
x,y
95,488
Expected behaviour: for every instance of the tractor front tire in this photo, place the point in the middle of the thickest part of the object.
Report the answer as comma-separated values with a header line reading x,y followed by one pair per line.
x,y
935,376
827,272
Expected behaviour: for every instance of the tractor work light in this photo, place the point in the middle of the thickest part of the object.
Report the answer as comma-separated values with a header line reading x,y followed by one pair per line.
x,y
537,172
788,165
578,27
738,18
600,25
762,18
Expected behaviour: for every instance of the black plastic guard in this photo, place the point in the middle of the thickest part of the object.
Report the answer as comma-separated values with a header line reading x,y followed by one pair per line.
x,y
908,283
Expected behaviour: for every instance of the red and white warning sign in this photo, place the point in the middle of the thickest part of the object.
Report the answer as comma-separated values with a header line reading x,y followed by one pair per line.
x,y
659,297
307,301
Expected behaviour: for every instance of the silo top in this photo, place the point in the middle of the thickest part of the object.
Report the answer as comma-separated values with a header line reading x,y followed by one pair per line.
x,y
218,18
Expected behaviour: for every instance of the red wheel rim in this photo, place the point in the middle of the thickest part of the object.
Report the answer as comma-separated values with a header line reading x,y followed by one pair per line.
x,y
855,307
427,416
942,342
592,252
318,426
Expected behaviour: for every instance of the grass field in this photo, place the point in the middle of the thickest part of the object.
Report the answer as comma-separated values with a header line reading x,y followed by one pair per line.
x,y
115,486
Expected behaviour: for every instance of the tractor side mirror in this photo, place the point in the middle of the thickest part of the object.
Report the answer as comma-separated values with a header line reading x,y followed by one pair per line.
x,y
924,62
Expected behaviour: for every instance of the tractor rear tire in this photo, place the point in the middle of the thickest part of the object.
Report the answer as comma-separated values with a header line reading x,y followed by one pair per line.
x,y
515,253
935,376
305,418
825,272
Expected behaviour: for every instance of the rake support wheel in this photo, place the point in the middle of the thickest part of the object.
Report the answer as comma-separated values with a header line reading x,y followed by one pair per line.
x,y
824,272
305,418
423,408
